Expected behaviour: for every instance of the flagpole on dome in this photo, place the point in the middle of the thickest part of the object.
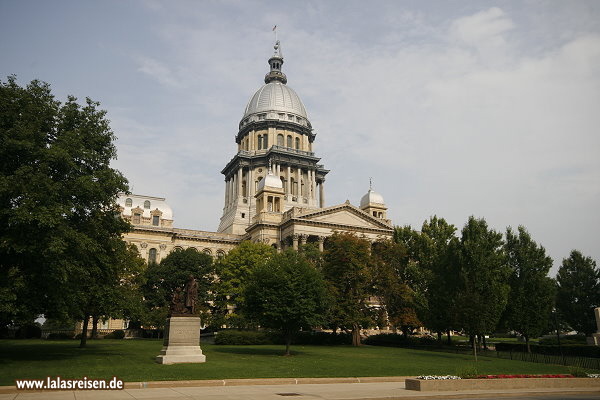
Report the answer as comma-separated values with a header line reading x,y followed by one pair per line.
x,y
275,30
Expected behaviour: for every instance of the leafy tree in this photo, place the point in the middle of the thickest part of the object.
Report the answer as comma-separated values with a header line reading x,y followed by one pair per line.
x,y
58,229
286,294
346,269
578,292
483,279
173,272
436,258
531,290
393,284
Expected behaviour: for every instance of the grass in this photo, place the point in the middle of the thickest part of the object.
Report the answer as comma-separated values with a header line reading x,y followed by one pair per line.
x,y
133,360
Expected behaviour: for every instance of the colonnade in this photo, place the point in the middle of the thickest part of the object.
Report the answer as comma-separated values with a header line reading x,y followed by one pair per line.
x,y
234,186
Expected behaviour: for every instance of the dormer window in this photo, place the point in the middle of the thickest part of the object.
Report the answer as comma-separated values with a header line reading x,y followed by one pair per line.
x,y
128,202
155,220
147,204
262,116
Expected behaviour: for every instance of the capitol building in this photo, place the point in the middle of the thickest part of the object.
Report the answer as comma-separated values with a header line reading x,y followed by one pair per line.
x,y
274,191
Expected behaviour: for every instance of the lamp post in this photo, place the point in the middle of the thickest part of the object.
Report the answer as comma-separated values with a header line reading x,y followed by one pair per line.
x,y
555,312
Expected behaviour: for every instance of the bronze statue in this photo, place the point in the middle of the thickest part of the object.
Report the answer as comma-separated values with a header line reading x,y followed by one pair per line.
x,y
177,306
191,295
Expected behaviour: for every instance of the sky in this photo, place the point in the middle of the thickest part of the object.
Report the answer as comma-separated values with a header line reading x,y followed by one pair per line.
x,y
454,108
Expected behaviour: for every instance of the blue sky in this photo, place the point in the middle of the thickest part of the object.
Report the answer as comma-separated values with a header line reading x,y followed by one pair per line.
x,y
455,108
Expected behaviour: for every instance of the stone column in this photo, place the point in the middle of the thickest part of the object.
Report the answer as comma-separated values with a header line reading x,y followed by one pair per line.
x,y
314,185
288,189
239,181
226,193
322,194
321,241
303,239
250,183
298,183
295,241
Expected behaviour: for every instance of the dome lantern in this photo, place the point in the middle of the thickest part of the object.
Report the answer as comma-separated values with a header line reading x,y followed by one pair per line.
x,y
276,62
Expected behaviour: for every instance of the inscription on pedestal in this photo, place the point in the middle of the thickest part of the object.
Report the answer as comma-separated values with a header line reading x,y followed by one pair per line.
x,y
182,341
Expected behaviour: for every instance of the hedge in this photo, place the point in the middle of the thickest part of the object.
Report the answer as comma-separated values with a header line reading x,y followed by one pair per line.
x,y
237,337
118,334
396,340
575,350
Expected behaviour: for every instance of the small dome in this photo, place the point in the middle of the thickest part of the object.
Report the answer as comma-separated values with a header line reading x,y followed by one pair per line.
x,y
371,198
270,181
275,97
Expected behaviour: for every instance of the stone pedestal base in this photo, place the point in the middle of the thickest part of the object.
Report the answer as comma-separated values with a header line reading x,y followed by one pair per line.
x,y
594,340
182,341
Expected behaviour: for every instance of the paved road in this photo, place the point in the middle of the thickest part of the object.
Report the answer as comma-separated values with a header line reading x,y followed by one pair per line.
x,y
335,391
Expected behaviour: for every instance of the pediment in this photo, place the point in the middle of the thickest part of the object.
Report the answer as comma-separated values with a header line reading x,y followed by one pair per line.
x,y
345,215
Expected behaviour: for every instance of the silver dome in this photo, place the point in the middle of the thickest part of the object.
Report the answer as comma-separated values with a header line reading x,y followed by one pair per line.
x,y
275,97
371,198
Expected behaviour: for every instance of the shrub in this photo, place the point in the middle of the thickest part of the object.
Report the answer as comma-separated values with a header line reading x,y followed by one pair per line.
x,y
575,350
569,339
396,340
322,338
60,336
236,337
29,331
118,334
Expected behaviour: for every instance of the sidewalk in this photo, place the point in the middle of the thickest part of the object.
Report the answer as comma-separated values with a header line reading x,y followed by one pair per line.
x,y
325,391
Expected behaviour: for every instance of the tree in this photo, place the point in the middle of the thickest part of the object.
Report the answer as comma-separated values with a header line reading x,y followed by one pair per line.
x,y
393,283
173,272
578,291
531,290
286,294
57,202
348,275
437,247
233,271
483,279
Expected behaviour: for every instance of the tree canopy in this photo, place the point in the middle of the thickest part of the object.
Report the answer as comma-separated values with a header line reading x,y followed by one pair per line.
x,y
531,290
578,292
286,294
58,193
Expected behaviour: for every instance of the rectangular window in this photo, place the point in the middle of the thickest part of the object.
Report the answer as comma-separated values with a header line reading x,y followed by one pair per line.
x,y
137,218
155,220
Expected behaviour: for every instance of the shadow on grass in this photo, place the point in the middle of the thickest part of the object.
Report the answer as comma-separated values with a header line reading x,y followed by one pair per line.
x,y
255,351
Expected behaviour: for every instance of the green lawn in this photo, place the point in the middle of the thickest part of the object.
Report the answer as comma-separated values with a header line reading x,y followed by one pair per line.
x,y
133,360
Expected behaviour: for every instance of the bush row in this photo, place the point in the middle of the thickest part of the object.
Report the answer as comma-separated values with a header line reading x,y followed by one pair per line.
x,y
237,337
575,350
396,340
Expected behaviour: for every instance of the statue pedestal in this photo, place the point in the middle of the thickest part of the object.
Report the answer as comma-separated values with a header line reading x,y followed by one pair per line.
x,y
594,340
182,341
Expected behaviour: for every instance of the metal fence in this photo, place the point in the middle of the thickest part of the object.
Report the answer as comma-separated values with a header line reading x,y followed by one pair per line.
x,y
582,362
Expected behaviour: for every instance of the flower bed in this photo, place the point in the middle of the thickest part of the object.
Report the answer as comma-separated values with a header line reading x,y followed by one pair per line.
x,y
501,382
524,376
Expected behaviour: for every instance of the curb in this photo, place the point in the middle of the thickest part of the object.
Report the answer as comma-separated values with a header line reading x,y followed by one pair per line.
x,y
233,382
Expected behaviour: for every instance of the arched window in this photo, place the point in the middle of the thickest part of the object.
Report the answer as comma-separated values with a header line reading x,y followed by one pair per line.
x,y
256,183
244,189
265,141
297,143
280,140
294,188
260,142
152,256
289,141
302,192
128,202
220,254
147,204
207,251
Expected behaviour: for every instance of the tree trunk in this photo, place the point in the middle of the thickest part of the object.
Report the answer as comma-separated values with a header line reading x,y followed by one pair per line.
x,y
288,342
484,342
473,340
94,327
449,336
527,343
355,335
439,335
84,331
